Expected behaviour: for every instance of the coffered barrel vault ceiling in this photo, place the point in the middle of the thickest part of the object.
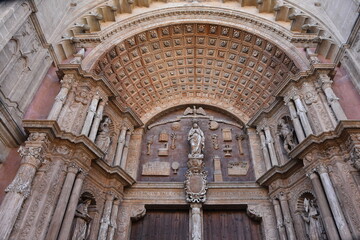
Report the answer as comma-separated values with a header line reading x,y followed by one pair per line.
x,y
196,61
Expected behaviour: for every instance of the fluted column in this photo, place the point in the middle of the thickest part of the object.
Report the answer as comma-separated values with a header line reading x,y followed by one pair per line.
x,y
126,150
113,218
105,220
279,220
325,212
270,144
19,189
120,147
265,149
61,97
332,99
334,204
90,115
301,111
287,217
62,203
73,202
296,121
97,120
196,233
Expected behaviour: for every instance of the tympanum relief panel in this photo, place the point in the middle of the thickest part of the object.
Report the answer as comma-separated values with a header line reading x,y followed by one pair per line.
x,y
165,146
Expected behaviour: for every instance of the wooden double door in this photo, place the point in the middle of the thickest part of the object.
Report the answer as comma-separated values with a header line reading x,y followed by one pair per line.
x,y
174,224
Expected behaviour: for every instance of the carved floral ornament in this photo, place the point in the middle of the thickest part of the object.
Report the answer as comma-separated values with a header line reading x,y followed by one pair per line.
x,y
196,60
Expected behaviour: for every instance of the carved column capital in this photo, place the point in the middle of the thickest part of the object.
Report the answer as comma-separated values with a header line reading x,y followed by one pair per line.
x,y
82,174
282,196
355,158
322,169
73,168
67,81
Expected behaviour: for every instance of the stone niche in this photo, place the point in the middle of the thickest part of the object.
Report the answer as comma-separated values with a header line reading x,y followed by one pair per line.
x,y
157,166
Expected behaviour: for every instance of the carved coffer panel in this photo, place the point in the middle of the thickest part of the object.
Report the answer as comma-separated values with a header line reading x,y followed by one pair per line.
x,y
165,147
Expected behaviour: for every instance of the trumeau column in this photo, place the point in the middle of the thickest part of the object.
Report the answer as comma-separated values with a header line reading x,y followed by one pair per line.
x,y
264,149
61,97
279,220
113,219
302,114
270,144
120,147
90,115
196,223
97,120
105,220
62,202
334,203
287,217
332,99
296,121
325,211
126,150
73,202
20,187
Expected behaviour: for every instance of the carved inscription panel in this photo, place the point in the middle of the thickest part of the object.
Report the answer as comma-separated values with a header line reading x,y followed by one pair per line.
x,y
165,146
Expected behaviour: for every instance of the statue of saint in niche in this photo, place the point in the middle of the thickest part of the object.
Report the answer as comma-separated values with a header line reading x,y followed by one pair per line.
x,y
82,221
312,221
196,139
103,138
287,134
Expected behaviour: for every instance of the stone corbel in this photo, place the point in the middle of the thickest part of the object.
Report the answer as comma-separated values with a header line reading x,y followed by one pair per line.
x,y
137,212
253,213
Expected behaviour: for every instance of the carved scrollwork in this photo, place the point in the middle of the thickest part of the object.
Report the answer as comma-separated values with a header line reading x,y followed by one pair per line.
x,y
355,158
195,186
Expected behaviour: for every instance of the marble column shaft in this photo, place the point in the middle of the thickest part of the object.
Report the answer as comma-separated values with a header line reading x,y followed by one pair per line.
x,y
105,220
270,144
296,121
287,218
19,189
62,203
97,120
120,147
279,220
113,219
265,150
58,104
60,99
196,233
335,207
325,211
90,115
333,100
303,117
126,150
71,208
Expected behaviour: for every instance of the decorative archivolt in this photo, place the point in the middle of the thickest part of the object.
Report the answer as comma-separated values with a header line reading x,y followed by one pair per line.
x,y
187,61
106,20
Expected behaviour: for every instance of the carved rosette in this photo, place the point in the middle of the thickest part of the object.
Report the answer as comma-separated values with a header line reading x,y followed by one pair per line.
x,y
195,186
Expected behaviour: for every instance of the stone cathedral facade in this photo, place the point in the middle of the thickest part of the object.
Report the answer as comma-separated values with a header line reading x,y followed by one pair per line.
x,y
199,120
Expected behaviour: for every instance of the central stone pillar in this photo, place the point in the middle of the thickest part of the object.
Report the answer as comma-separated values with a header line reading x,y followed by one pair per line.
x,y
196,183
196,222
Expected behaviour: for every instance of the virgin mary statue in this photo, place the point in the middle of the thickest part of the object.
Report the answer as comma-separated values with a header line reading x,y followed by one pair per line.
x,y
197,141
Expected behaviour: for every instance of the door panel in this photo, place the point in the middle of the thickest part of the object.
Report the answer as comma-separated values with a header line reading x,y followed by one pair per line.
x,y
162,224
230,225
